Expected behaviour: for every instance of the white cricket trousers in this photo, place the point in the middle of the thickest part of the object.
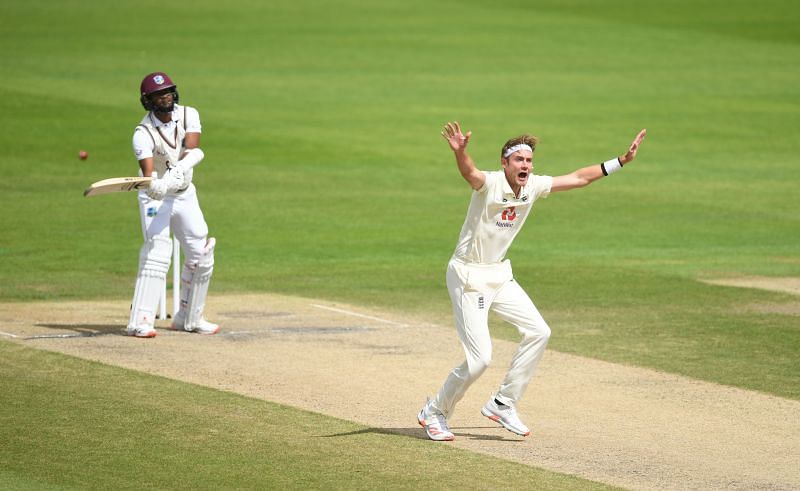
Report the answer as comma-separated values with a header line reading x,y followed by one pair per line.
x,y
474,290
179,214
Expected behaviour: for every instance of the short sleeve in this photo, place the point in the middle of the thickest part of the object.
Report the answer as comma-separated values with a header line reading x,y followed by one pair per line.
x,y
193,120
142,144
541,186
488,181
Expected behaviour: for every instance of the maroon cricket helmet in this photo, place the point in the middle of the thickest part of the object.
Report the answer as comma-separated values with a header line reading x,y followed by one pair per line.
x,y
156,82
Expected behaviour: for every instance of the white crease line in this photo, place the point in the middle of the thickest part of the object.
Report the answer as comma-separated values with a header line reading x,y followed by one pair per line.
x,y
9,334
355,314
65,336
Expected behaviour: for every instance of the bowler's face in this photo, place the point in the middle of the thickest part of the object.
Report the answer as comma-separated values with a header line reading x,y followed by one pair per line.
x,y
518,167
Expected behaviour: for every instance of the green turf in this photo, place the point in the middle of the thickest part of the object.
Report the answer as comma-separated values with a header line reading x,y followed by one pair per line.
x,y
72,424
326,176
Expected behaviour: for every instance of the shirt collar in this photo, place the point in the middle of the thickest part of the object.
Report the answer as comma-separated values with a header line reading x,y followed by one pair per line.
x,y
523,193
157,122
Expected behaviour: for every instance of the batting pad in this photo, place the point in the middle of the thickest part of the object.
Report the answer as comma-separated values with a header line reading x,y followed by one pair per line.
x,y
154,258
197,277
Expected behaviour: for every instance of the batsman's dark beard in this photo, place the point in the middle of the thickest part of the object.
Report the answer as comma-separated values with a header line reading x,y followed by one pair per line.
x,y
164,109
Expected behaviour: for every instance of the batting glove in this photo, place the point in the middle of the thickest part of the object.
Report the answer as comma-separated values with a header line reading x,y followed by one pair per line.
x,y
157,189
174,179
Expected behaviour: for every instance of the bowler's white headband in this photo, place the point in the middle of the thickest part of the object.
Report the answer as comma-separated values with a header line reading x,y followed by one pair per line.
x,y
517,148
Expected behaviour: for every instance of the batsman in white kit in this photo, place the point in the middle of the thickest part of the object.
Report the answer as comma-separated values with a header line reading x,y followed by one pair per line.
x,y
167,145
479,278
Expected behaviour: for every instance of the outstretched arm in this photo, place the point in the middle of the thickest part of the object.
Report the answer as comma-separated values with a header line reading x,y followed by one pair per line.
x,y
586,175
458,144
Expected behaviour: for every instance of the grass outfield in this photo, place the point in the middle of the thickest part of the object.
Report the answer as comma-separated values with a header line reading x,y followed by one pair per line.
x,y
325,175
72,424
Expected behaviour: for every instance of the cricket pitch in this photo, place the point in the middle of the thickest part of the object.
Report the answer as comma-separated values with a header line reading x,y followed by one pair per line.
x,y
616,424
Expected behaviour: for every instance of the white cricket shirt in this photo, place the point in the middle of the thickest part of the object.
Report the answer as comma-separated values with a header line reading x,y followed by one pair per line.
x,y
143,144
495,216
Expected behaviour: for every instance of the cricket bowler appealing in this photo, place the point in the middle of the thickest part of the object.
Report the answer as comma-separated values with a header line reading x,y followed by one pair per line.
x,y
479,279
166,144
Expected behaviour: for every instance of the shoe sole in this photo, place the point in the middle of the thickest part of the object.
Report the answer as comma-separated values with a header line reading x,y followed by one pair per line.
x,y
207,333
499,420
151,334
445,439
176,328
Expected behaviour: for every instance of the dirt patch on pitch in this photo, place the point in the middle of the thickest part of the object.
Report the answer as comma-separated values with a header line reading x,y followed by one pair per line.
x,y
620,425
790,285
783,285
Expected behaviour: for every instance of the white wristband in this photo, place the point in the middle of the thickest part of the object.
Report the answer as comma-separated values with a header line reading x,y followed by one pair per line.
x,y
192,157
610,166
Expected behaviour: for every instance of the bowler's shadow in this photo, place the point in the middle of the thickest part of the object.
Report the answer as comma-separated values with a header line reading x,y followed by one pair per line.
x,y
419,433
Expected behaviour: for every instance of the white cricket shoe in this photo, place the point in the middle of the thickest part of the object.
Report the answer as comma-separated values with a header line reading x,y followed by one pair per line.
x,y
435,424
141,331
506,416
201,327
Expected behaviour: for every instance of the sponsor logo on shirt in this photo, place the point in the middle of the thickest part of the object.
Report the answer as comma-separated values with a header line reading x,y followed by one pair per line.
x,y
507,217
152,211
509,214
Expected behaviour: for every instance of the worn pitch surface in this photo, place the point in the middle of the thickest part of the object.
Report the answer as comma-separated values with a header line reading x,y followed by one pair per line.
x,y
616,424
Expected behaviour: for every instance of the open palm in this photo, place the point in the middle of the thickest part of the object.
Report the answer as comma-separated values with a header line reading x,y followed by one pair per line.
x,y
631,153
455,137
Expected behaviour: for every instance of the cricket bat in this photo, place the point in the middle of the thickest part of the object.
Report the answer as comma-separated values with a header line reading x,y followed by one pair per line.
x,y
117,185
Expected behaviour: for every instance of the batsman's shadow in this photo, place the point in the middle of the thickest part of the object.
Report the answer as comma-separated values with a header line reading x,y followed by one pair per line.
x,y
419,433
82,330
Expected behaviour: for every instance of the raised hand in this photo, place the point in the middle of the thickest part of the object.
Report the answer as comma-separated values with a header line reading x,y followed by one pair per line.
x,y
631,154
457,140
